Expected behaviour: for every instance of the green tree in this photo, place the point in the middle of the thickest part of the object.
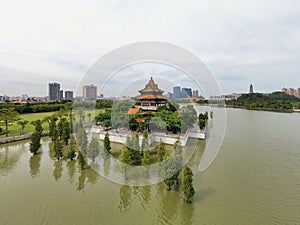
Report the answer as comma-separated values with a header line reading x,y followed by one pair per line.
x,y
161,152
72,152
106,123
82,141
135,150
60,127
58,149
66,132
52,126
8,115
125,158
188,117
146,157
178,155
36,137
22,124
93,149
187,184
61,113
144,141
38,126
202,118
35,143
107,146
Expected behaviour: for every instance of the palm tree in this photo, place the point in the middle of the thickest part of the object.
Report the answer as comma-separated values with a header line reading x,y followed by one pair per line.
x,y
22,123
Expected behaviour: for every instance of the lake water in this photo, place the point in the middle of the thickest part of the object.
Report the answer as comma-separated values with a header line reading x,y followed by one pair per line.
x,y
255,179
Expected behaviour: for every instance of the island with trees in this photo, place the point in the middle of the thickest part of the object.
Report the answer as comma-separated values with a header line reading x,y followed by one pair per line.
x,y
277,101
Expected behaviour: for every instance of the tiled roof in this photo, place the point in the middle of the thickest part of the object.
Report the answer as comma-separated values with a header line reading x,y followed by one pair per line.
x,y
133,111
140,119
151,97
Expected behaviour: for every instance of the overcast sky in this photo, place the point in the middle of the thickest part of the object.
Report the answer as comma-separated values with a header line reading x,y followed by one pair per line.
x,y
241,42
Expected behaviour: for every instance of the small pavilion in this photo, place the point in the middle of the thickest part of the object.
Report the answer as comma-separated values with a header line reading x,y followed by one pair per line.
x,y
150,97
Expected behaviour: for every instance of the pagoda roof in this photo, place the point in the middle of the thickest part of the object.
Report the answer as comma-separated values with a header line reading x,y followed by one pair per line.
x,y
151,88
146,97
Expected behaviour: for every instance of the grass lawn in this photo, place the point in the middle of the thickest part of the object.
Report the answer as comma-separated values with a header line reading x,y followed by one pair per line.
x,y
14,129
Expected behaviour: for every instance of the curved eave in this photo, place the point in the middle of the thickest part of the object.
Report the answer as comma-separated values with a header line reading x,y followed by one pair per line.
x,y
149,97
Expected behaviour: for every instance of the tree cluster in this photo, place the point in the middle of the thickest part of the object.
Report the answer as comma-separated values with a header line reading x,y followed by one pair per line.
x,y
172,171
36,107
276,101
202,118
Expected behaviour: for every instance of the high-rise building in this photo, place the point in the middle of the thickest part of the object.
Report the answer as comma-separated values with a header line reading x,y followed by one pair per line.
x,y
61,95
69,95
195,93
54,91
89,91
176,92
251,89
186,92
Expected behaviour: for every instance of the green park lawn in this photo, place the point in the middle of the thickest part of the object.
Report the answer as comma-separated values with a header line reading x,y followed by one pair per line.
x,y
14,129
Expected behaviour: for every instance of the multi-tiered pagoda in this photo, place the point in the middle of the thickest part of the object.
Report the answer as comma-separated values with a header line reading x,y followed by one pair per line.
x,y
151,97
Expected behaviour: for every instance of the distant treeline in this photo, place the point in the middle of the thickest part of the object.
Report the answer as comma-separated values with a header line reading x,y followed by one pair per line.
x,y
35,107
100,104
276,101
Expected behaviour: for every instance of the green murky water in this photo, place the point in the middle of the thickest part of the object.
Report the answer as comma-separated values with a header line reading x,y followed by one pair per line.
x,y
254,180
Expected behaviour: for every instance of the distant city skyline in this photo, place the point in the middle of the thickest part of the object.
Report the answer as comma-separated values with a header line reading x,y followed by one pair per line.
x,y
289,90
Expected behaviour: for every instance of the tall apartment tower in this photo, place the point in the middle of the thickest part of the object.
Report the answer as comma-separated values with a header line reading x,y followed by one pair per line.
x,y
176,92
61,95
69,95
89,91
251,89
54,91
186,92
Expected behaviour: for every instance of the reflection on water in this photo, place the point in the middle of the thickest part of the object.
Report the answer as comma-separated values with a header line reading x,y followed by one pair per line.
x,y
168,206
188,214
9,157
71,165
145,195
81,180
86,175
57,172
125,198
35,163
106,166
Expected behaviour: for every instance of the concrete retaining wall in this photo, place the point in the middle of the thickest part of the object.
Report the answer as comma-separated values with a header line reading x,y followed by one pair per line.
x,y
19,137
120,137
